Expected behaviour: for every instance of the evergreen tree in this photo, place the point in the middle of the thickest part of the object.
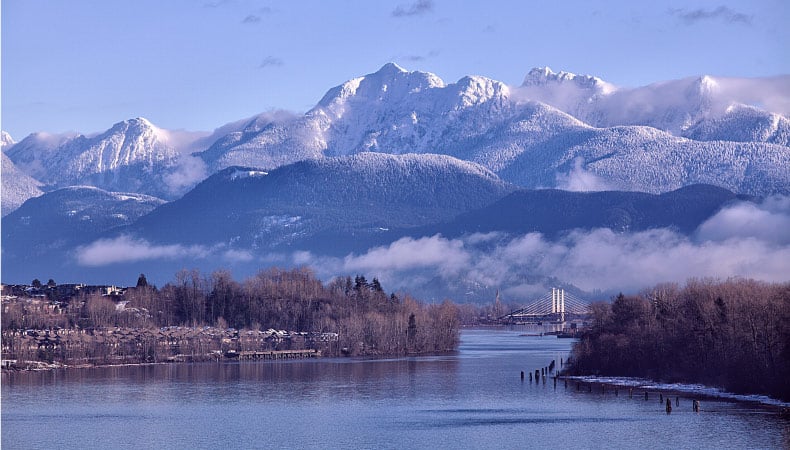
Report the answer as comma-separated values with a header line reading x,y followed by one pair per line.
x,y
141,281
376,286
360,282
411,332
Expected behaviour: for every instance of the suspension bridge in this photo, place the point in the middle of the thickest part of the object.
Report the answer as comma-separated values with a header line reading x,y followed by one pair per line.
x,y
556,306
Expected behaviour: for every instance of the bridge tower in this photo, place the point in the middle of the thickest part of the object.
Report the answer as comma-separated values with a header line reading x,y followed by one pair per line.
x,y
558,302
562,305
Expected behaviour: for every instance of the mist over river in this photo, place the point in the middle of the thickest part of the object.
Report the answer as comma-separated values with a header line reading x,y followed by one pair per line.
x,y
474,398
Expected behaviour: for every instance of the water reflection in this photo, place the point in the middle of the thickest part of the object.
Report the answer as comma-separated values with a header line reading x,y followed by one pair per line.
x,y
473,399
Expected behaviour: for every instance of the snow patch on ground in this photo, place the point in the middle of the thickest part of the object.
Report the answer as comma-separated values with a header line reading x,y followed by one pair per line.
x,y
685,388
238,174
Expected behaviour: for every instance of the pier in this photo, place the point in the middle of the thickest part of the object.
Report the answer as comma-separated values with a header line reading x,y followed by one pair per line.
x,y
273,354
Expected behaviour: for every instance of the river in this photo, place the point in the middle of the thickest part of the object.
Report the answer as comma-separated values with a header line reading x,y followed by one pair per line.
x,y
472,399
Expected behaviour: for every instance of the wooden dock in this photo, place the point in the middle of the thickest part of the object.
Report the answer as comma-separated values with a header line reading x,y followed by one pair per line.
x,y
275,354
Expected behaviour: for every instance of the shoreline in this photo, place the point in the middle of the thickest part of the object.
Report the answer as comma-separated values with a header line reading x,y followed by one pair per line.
x,y
677,389
33,366
38,366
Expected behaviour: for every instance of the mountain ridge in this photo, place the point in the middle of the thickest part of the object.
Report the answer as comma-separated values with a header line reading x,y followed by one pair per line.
x,y
485,121
533,135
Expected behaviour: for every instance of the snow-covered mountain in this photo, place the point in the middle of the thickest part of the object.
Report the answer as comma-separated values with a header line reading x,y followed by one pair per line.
x,y
55,222
6,140
551,130
743,123
390,111
701,108
361,194
17,186
625,138
133,155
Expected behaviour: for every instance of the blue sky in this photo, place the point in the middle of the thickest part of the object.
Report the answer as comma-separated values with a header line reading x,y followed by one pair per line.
x,y
83,65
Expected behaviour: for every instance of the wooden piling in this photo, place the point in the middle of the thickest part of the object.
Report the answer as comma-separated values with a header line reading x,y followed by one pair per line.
x,y
677,401
522,375
645,395
669,405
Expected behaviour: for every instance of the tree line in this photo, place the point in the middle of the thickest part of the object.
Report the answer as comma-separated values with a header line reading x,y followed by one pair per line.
x,y
367,320
734,334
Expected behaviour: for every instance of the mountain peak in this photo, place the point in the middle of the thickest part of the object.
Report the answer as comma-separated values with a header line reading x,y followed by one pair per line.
x,y
390,82
137,123
390,68
6,140
540,73
706,84
138,128
476,89
541,76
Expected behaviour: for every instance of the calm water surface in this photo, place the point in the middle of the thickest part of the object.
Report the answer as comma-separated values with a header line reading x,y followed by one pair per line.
x,y
472,399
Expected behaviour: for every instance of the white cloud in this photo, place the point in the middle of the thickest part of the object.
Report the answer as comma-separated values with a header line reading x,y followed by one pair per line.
x,y
447,257
605,105
127,249
189,171
768,93
591,260
237,256
580,180
417,8
605,260
744,239
271,61
721,12
769,222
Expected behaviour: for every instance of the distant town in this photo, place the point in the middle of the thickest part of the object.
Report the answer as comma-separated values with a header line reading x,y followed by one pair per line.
x,y
277,314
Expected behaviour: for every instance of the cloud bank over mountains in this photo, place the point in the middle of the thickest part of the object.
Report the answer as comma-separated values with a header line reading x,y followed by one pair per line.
x,y
742,240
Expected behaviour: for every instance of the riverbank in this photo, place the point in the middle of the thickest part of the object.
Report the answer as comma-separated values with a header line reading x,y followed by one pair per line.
x,y
733,334
41,366
689,390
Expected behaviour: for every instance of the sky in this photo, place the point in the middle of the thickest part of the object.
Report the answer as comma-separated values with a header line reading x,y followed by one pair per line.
x,y
83,65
